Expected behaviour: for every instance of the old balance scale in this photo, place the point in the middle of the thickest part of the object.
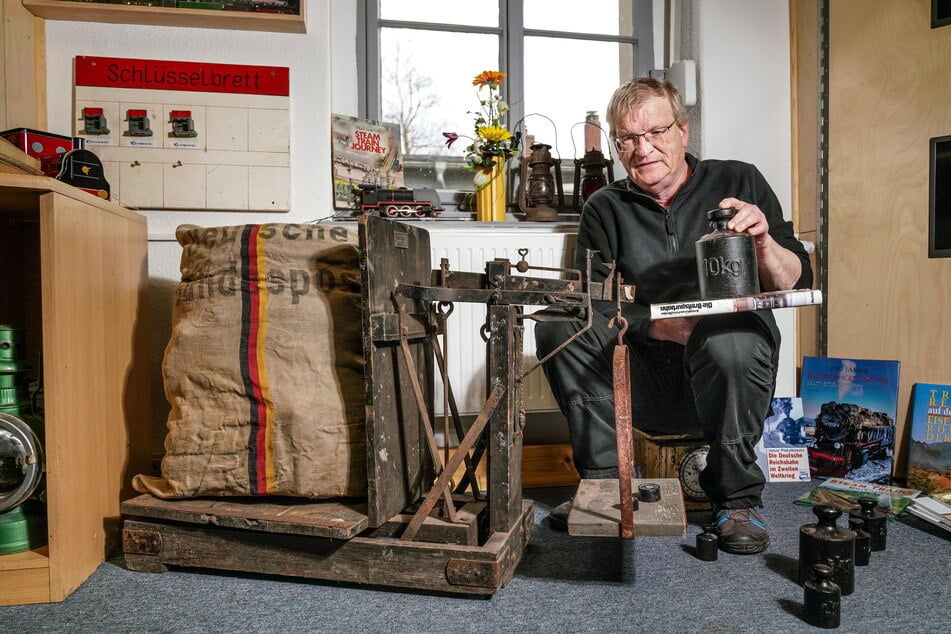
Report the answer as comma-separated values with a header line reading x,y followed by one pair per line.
x,y
416,528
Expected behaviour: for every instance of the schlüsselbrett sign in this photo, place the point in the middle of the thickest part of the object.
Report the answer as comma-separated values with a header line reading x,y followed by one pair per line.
x,y
187,135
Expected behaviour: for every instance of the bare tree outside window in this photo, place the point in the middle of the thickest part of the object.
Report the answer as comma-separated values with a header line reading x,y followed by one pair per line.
x,y
426,53
411,101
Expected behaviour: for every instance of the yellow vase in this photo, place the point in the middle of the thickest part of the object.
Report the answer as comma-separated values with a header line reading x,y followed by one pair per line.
x,y
490,198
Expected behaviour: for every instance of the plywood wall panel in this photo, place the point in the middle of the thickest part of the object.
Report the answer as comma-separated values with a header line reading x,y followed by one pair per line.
x,y
889,95
22,68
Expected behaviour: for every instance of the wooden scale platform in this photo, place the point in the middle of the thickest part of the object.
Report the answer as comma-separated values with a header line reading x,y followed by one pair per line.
x,y
413,530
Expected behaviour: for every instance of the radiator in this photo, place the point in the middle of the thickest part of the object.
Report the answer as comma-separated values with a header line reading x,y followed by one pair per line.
x,y
468,249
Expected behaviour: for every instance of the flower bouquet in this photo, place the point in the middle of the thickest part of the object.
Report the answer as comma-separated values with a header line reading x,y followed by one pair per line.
x,y
492,145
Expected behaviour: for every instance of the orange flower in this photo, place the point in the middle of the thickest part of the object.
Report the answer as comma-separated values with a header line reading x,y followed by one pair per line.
x,y
488,78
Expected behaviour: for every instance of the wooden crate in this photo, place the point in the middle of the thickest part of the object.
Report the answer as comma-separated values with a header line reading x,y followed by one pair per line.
x,y
661,458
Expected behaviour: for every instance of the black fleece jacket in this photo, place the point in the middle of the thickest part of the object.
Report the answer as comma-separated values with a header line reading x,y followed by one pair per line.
x,y
653,247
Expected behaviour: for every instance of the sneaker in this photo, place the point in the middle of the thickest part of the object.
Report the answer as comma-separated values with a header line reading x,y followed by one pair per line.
x,y
558,518
741,531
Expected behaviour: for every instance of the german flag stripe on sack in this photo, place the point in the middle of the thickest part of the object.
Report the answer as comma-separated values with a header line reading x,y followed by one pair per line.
x,y
254,305
264,368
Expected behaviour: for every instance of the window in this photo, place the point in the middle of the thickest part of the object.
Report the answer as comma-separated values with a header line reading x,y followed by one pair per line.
x,y
562,58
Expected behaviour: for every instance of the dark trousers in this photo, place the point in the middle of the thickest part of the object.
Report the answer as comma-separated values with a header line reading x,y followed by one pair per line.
x,y
718,387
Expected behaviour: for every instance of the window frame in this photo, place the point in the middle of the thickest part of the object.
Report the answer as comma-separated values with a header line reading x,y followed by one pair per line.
x,y
511,32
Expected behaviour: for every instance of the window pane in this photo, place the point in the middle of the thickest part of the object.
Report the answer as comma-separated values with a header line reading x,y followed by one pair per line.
x,y
428,94
470,12
566,98
590,16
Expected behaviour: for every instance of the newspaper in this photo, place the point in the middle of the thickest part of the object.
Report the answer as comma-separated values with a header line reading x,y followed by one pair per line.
x,y
759,301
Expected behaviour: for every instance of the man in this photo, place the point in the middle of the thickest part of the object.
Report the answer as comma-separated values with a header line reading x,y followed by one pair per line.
x,y
710,377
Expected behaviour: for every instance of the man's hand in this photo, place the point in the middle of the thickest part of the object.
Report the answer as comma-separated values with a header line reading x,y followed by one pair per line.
x,y
748,219
677,329
778,268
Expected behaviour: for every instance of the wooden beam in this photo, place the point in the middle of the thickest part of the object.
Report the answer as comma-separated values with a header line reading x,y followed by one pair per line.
x,y
23,79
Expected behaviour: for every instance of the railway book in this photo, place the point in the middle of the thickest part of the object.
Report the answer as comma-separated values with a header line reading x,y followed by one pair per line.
x,y
844,494
849,409
364,152
932,510
758,301
929,447
781,452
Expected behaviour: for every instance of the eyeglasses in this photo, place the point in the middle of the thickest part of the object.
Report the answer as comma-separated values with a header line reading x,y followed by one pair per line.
x,y
628,142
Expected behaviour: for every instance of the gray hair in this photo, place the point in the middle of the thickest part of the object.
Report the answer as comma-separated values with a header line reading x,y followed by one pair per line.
x,y
633,93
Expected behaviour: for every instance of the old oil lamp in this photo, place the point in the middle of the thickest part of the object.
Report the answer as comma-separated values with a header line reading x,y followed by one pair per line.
x,y
540,193
590,176
590,170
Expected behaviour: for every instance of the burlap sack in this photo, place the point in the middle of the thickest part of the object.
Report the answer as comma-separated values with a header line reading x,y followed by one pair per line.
x,y
264,368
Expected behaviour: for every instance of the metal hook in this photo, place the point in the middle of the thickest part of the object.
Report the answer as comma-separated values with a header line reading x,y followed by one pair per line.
x,y
619,318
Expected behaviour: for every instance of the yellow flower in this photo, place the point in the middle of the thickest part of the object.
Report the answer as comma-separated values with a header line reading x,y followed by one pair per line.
x,y
488,78
493,133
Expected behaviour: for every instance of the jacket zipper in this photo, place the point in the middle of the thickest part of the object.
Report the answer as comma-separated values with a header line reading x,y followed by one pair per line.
x,y
672,246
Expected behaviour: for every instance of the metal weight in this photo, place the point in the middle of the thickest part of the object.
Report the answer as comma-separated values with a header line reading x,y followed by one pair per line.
x,y
726,260
874,520
707,544
822,598
649,492
863,542
827,543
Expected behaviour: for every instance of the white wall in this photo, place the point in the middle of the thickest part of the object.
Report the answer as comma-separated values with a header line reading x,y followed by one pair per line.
x,y
742,52
322,66
741,48
743,65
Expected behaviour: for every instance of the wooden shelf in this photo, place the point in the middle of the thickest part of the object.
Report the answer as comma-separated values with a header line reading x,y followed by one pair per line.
x,y
167,16
77,277
15,161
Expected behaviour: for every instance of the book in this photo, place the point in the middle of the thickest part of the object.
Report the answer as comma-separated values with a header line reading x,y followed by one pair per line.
x,y
850,407
929,447
758,301
932,510
364,152
844,494
781,452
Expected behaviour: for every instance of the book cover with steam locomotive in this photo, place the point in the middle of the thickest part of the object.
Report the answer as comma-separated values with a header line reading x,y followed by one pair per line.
x,y
364,152
850,407
929,448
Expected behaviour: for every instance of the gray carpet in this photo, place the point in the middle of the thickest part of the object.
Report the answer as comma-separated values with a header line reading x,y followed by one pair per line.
x,y
563,584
